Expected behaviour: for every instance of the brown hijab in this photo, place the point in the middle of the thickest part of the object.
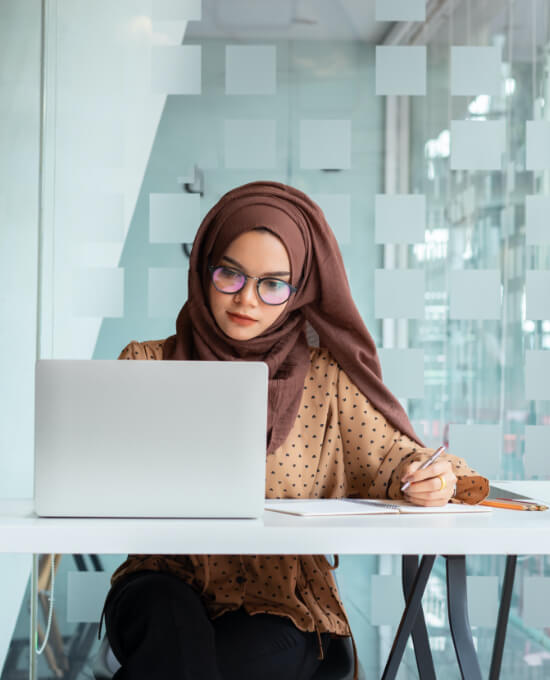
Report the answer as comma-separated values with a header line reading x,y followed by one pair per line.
x,y
323,298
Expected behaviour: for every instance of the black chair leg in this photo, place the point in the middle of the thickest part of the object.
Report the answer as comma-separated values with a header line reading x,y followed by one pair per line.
x,y
421,643
503,612
409,617
458,618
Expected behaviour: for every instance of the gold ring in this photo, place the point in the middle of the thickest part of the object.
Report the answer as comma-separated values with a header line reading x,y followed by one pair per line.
x,y
443,482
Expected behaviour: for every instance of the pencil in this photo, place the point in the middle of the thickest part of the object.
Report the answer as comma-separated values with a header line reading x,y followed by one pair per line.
x,y
513,506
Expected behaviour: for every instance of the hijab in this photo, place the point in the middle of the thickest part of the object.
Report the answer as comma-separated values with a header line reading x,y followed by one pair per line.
x,y
323,299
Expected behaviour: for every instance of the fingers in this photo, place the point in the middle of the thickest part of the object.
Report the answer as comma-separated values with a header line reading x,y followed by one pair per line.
x,y
426,485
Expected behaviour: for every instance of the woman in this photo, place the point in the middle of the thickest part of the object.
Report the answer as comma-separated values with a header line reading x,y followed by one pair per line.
x,y
264,262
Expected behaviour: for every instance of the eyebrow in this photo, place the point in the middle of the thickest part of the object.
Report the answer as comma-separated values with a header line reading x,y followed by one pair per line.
x,y
237,264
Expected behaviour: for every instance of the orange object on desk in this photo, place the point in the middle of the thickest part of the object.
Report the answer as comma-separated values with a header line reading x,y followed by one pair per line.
x,y
513,504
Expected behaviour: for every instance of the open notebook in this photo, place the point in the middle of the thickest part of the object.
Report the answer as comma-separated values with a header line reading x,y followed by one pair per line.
x,y
308,507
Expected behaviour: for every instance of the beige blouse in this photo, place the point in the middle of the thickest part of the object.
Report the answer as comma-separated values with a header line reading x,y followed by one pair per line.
x,y
340,446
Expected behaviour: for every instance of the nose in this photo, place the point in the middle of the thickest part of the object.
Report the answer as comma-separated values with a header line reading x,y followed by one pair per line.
x,y
248,295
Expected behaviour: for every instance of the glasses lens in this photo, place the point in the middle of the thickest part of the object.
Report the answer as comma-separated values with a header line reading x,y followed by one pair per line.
x,y
274,292
227,280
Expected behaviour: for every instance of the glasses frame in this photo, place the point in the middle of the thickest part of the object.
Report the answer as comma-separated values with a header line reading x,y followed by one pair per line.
x,y
258,279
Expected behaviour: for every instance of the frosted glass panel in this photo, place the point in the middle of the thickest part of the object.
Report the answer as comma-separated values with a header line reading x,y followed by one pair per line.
x,y
173,10
250,143
475,294
176,69
482,592
250,69
336,208
537,295
408,303
325,144
537,374
537,154
475,70
537,224
401,70
536,601
173,218
477,145
387,600
403,371
480,445
537,450
98,292
167,291
400,10
102,221
86,592
400,218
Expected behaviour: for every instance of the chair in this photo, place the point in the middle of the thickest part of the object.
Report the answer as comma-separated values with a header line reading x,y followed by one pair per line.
x,y
338,663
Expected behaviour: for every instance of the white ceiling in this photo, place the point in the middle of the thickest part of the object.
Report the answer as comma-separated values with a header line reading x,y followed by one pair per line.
x,y
289,19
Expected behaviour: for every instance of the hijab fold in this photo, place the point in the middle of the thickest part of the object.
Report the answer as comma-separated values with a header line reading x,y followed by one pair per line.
x,y
323,299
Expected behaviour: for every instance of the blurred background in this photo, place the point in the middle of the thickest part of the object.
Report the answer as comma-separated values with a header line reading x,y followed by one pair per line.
x,y
422,128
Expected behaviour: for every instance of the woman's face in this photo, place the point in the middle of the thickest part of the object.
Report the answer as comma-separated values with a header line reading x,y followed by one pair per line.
x,y
256,253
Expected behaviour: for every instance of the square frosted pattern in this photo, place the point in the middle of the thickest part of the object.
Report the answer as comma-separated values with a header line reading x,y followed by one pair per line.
x,y
536,601
401,70
537,224
399,293
537,294
250,69
400,10
325,144
250,144
86,592
98,292
103,219
337,209
387,602
537,451
400,218
176,69
176,10
537,374
480,445
482,594
167,291
537,141
173,218
403,371
475,294
475,70
477,145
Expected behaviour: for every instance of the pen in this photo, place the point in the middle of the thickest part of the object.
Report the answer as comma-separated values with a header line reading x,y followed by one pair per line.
x,y
430,460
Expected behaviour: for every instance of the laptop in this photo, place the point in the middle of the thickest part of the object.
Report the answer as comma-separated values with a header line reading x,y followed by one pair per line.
x,y
181,439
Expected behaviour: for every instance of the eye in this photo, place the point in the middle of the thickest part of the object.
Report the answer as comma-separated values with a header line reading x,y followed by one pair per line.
x,y
275,284
228,273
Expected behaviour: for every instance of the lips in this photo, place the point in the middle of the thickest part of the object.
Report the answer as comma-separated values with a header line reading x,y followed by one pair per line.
x,y
241,316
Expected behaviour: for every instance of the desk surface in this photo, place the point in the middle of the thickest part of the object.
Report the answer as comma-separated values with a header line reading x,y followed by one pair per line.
x,y
498,532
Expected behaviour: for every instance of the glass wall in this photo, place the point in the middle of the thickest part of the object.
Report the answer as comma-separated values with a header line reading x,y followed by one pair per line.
x,y
422,130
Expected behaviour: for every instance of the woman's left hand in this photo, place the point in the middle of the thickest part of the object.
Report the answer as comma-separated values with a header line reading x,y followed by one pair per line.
x,y
433,486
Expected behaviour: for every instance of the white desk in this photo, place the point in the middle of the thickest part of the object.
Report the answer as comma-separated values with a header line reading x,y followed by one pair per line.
x,y
502,532
498,532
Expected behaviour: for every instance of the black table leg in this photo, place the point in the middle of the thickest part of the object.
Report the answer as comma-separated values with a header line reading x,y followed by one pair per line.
x,y
422,651
409,617
503,612
458,618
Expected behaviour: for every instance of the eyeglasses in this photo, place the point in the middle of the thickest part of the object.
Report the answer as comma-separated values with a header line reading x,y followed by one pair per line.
x,y
271,291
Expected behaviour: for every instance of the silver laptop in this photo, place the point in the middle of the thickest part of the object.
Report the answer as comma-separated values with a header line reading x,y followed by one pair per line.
x,y
150,438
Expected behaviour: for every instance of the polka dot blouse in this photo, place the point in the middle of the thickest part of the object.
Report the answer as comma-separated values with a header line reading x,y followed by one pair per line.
x,y
340,446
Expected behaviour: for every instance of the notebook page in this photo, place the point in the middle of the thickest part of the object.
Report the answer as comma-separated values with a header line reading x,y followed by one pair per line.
x,y
308,507
449,509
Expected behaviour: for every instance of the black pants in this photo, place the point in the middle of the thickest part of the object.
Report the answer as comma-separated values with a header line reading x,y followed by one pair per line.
x,y
158,628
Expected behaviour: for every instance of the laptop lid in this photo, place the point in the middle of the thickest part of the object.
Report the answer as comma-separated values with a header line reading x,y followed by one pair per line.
x,y
150,438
